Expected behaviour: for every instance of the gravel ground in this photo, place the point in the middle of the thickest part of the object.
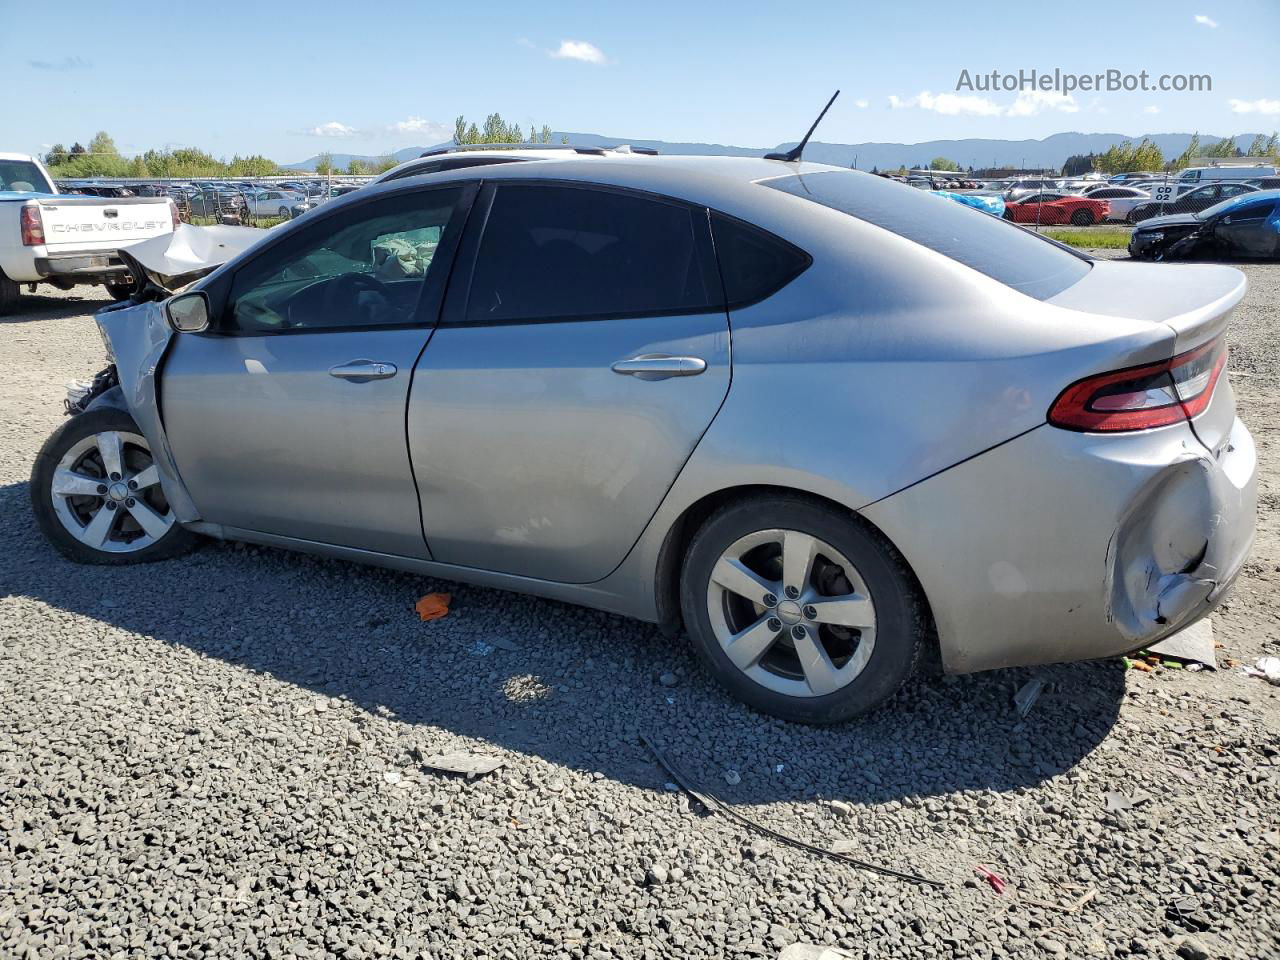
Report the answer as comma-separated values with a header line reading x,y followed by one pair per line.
x,y
222,756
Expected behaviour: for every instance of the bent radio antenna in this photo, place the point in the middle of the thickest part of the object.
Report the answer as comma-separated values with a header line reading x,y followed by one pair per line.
x,y
793,155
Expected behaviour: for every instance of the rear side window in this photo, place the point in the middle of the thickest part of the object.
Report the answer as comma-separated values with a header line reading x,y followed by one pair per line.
x,y
561,252
1016,257
754,264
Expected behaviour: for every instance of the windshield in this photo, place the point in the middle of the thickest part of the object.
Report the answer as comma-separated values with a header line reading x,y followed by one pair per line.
x,y
23,176
1018,258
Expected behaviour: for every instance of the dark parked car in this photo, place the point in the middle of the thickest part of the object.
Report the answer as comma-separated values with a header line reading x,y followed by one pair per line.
x,y
1247,225
1193,201
222,203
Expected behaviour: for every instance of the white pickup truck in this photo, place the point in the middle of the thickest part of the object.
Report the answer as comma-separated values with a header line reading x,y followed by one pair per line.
x,y
47,237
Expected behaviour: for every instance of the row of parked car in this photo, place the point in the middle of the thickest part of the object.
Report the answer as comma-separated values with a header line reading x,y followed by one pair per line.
x,y
1128,197
234,202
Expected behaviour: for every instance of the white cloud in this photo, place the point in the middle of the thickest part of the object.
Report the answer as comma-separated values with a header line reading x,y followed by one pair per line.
x,y
1151,109
578,50
428,128
949,104
1263,106
1028,103
1206,21
1031,102
862,104
333,129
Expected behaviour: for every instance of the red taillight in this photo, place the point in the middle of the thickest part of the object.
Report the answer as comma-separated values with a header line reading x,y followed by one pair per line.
x,y
1140,398
32,227
173,213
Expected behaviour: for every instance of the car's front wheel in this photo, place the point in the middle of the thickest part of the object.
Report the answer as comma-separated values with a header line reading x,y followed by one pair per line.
x,y
96,493
1082,218
800,610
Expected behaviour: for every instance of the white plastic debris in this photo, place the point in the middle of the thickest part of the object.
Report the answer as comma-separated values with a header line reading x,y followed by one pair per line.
x,y
732,777
391,776
1268,668
1027,696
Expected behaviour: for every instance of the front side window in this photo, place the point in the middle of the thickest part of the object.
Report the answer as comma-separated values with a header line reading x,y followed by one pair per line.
x,y
573,253
365,267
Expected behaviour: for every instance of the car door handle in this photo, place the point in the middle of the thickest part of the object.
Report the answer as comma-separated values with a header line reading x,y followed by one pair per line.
x,y
362,371
659,366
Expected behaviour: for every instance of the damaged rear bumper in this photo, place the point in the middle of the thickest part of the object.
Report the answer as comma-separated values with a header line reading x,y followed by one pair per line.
x,y
1060,546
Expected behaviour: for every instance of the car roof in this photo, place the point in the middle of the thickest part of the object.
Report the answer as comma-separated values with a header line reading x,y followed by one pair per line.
x,y
728,184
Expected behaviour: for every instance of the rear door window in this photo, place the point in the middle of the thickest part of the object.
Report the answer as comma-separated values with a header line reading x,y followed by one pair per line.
x,y
1018,258
754,263
561,252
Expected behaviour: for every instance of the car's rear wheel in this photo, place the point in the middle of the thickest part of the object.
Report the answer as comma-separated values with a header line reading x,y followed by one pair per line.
x,y
1082,218
120,291
283,213
96,493
10,292
800,610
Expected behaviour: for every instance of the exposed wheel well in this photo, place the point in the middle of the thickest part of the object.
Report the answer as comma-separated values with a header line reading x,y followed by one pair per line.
x,y
674,547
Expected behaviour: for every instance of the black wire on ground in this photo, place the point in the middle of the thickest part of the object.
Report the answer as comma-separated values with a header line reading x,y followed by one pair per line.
x,y
716,805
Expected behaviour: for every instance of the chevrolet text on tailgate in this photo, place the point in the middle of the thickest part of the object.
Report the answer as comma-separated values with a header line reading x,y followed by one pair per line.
x,y
47,237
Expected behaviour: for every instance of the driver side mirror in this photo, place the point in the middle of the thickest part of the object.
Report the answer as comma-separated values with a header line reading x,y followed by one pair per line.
x,y
188,313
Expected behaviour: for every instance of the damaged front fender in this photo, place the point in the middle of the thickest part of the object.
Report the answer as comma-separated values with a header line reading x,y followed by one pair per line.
x,y
138,336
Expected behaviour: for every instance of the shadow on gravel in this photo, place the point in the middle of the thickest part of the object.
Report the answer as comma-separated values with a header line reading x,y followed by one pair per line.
x,y
575,688
34,307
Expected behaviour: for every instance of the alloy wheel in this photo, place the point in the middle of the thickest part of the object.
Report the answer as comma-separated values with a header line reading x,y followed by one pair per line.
x,y
106,493
791,612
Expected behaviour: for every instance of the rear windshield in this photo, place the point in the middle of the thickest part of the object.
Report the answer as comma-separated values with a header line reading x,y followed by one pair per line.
x,y
1025,261
23,176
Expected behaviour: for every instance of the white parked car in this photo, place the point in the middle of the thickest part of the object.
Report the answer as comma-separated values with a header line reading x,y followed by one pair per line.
x,y
266,202
1121,199
64,240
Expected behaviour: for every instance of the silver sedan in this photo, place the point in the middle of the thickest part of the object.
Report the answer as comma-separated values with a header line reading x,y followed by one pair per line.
x,y
816,419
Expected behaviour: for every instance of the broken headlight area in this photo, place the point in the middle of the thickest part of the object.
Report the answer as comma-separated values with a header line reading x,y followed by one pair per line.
x,y
81,393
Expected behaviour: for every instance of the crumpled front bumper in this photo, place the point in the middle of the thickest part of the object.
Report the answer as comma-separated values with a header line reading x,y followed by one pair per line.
x,y
1060,546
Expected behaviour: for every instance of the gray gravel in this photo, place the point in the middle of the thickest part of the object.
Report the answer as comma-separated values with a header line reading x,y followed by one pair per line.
x,y
222,756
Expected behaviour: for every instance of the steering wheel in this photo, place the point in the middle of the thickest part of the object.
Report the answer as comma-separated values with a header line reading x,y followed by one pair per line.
x,y
340,293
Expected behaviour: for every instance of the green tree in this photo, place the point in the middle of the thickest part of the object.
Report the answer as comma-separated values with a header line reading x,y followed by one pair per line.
x,y
383,164
138,167
1223,149
324,164
942,163
357,168
1078,164
545,135
1193,150
57,154
1147,156
252,166
76,148
103,145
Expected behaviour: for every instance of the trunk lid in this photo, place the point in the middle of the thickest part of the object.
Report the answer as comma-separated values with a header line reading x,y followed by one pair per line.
x,y
1194,300
72,224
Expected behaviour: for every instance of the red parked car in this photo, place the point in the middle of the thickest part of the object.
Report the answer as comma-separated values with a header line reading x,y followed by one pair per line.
x,y
1057,208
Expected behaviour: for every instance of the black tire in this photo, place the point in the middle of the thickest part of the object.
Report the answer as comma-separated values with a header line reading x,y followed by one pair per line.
x,y
1007,215
10,292
120,291
1082,218
175,542
283,213
902,623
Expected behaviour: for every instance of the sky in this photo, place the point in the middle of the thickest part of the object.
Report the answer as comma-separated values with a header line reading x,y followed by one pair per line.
x,y
373,78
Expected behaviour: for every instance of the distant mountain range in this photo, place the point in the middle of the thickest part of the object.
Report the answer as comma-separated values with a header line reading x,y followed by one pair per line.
x,y
1049,153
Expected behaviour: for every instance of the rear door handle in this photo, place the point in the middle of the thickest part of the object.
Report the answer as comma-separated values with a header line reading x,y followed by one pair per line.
x,y
659,366
362,371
